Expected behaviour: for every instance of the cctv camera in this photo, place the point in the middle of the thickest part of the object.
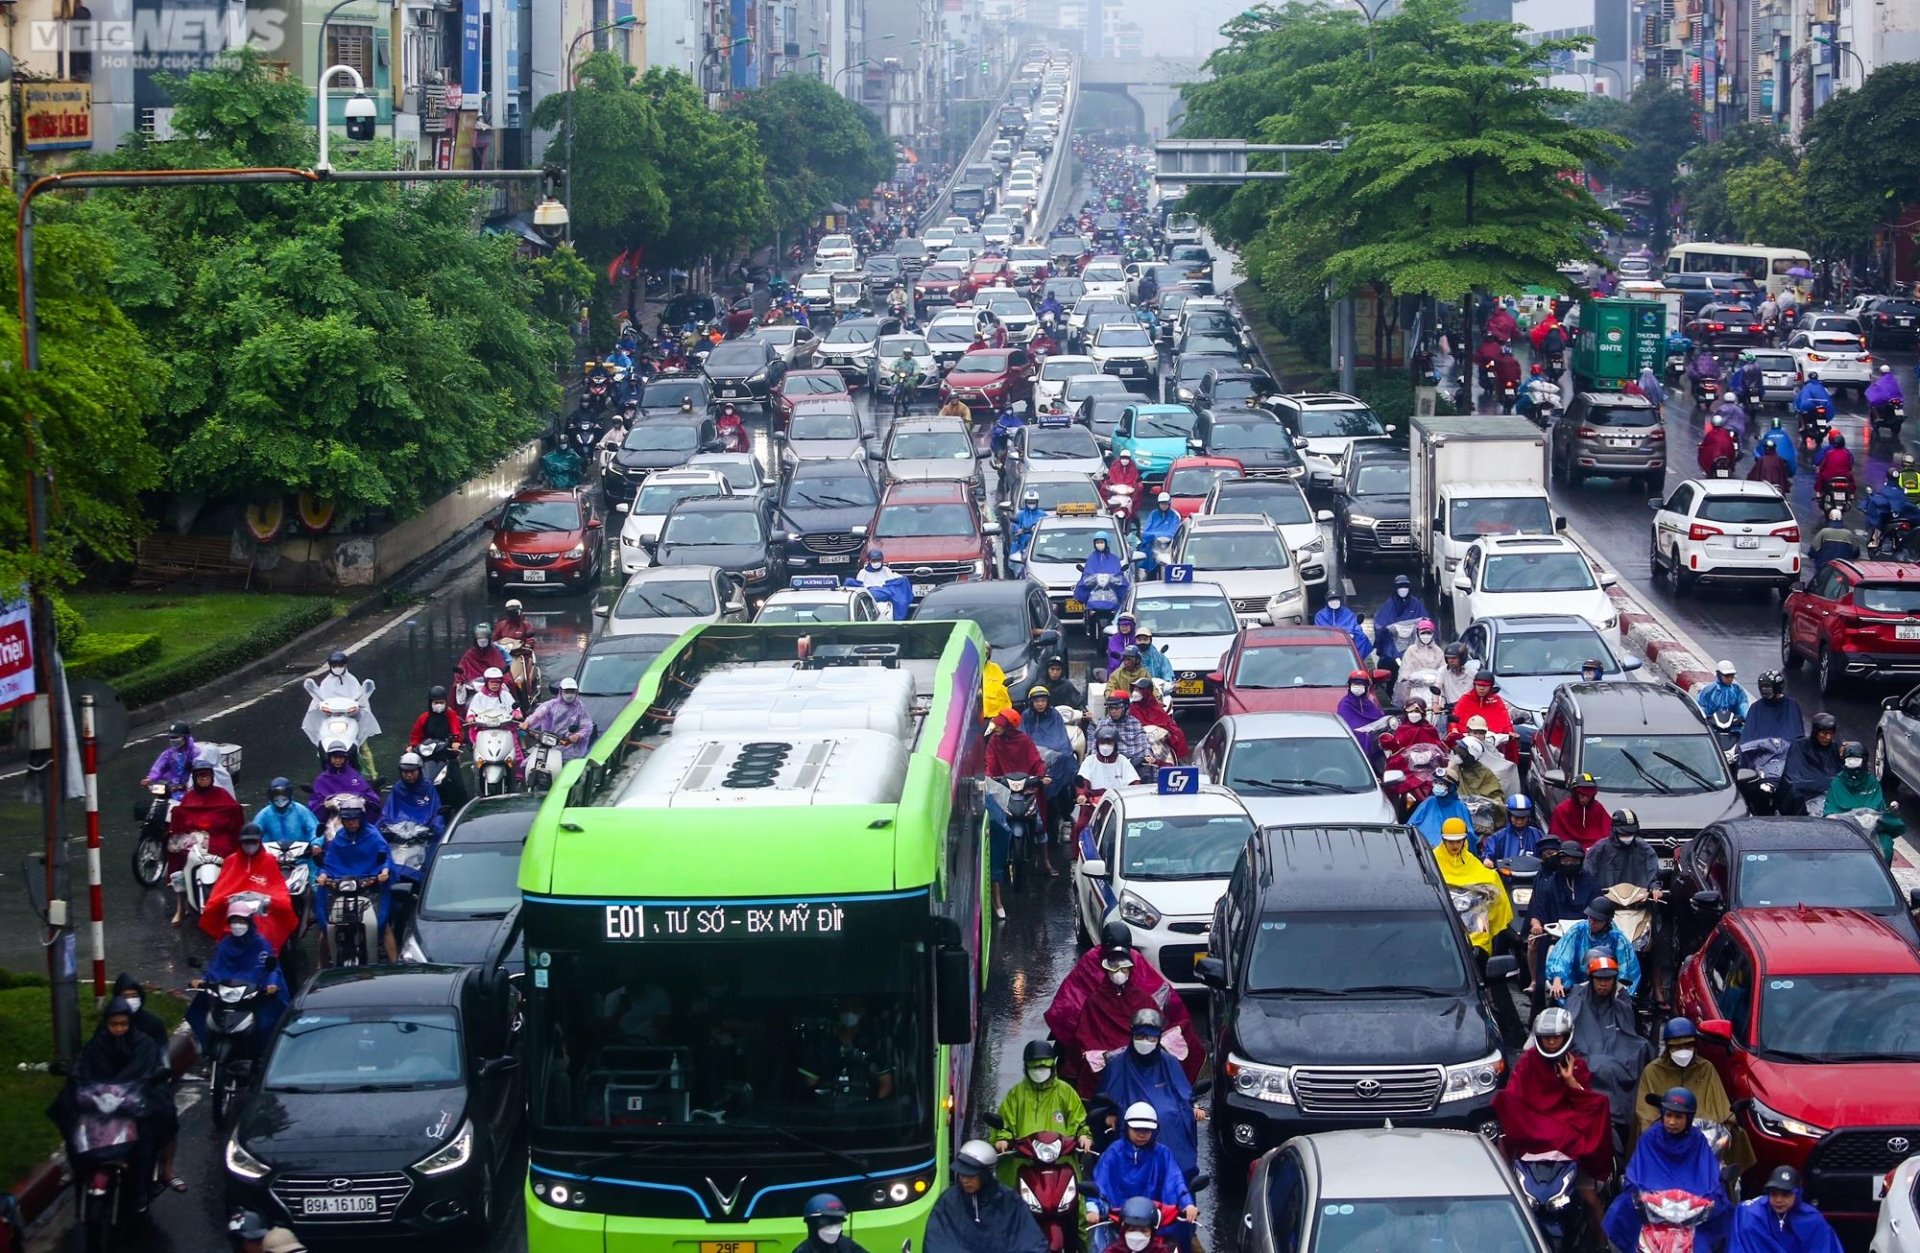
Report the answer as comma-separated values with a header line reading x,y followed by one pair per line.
x,y
360,116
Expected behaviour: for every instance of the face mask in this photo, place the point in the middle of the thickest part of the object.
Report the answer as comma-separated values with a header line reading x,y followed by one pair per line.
x,y
1626,837
1107,752
1146,1045
236,929
1358,689
1039,1074
829,1233
1682,1058
178,741
1442,789
849,1019
1426,637
281,802
438,706
1403,592
1334,605
133,1003
1137,1240
1119,977
337,670
567,698
1416,716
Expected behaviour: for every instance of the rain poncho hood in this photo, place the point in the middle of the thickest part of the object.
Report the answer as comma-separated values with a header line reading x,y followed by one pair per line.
x,y
1435,810
256,875
1089,1015
1606,1034
1464,870
1125,1170
993,1220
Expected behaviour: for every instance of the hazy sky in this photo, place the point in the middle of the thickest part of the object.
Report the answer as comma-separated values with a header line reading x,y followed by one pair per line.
x,y
1190,28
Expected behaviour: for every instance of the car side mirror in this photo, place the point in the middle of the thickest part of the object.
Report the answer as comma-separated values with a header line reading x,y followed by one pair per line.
x,y
1891,702
1392,777
779,539
860,531
991,528
600,611
1554,778
1502,968
1656,504
954,982
1707,900
1716,1029
494,1067
1324,515
1094,868
1463,584
1609,580
594,524
1913,898
1211,971
623,507
1559,522
1632,663
1046,639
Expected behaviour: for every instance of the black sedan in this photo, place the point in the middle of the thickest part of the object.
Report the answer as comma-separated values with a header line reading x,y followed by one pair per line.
x,y
611,668
745,369
1254,438
389,1105
1372,507
657,444
731,532
668,394
1015,616
1727,325
469,912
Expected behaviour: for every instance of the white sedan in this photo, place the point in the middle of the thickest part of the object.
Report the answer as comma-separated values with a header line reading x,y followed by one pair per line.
x,y
670,600
1725,530
651,504
818,598
1194,625
1054,373
1840,359
1293,769
1501,576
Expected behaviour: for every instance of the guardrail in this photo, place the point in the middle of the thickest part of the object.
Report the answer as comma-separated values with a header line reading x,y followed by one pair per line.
x,y
1059,162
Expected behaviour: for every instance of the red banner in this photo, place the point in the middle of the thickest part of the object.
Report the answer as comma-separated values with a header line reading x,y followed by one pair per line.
x,y
16,654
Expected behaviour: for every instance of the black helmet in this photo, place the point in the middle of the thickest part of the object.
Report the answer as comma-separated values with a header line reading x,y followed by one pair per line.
x,y
1455,651
252,829
1770,682
179,728
1116,933
336,658
1853,750
1625,820
1824,721
825,1208
1041,1052
437,692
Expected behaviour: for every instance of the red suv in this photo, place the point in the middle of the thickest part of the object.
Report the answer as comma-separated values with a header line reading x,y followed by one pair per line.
x,y
1855,619
987,379
932,534
1812,1017
1284,668
546,539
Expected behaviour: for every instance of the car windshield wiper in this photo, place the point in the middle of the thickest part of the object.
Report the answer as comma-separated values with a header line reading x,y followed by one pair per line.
x,y
684,604
1633,761
1405,989
1303,787
1683,768
821,502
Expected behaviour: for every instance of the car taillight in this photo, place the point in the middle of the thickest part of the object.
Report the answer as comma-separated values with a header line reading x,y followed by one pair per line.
x,y
1866,358
1814,356
1699,531
1586,432
1716,326
1657,433
1791,534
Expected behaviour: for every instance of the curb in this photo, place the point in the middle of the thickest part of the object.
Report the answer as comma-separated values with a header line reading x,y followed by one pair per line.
x,y
41,1188
1669,652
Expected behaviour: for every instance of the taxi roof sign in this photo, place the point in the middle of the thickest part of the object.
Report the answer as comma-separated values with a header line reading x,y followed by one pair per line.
x,y
1075,509
1178,781
813,582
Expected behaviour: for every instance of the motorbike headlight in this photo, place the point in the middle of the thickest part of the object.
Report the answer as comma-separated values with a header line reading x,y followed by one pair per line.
x,y
1261,1083
244,1164
1135,912
452,1155
1473,1079
1773,1123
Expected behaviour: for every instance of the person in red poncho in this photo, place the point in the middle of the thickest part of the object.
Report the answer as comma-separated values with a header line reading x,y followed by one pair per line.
x,y
1484,701
1147,708
252,871
1581,817
1092,1013
203,807
1011,751
1549,1106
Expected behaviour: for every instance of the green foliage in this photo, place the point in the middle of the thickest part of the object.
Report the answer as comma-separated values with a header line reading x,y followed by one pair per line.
x,y
1658,123
1860,166
820,148
1768,203
104,654
184,674
363,341
89,400
713,173
619,197
1739,147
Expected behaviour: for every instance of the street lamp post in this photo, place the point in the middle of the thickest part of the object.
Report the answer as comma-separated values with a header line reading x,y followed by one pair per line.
x,y
573,89
1837,46
848,69
1371,13
1596,68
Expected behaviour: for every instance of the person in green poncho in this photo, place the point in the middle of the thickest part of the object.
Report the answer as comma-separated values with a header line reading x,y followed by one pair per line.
x,y
1680,1065
1041,1101
1890,828
1855,787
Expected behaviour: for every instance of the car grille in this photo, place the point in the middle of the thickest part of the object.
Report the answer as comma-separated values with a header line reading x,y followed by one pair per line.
x,y
1395,526
1367,1091
831,545
1196,927
1665,842
1865,1152
1249,604
534,559
390,1189
936,571
1176,961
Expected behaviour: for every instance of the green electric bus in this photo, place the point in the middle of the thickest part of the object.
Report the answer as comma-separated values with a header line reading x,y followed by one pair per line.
x,y
755,940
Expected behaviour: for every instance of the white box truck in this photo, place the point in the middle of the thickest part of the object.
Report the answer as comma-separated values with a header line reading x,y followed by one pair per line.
x,y
1475,476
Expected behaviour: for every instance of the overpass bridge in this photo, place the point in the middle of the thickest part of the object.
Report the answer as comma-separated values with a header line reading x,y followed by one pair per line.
x,y
1151,84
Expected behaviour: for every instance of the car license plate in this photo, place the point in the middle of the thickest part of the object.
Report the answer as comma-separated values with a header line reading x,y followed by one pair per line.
x,y
1522,897
1622,443
313,1205
534,576
921,589
1746,541
1131,369
1075,606
1399,541
840,559
1906,633
1904,321
1190,687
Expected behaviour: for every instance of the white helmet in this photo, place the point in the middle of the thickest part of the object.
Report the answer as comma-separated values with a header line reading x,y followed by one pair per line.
x,y
1141,1114
494,672
1725,669
1719,420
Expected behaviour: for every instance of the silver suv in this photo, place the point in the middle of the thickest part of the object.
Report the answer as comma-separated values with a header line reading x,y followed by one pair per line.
x,y
1616,434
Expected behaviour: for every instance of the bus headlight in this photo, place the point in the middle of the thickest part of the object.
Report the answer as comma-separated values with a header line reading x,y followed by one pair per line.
x,y
899,1191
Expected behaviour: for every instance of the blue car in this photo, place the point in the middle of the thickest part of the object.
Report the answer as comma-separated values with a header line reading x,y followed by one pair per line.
x,y
1157,436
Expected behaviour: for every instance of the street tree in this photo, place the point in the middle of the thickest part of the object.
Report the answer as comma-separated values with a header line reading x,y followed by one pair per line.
x,y
1860,165
618,193
1658,123
1704,187
821,149
713,174
1768,202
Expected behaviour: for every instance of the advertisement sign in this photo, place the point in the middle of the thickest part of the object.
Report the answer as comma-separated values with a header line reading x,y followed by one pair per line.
x,y
16,654
58,115
470,53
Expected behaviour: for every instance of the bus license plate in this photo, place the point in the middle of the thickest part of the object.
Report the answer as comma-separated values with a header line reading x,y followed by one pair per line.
x,y
1074,606
1746,541
534,576
313,1205
1906,633
728,1246
1190,687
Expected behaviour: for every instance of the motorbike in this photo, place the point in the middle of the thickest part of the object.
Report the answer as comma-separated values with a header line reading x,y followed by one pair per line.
x,y
1767,759
1120,505
150,846
233,1006
1814,424
1416,765
409,844
582,434
1888,419
1026,835
1898,539
1151,560
1547,1181
1727,725
596,393
337,719
1103,602
298,872
1509,393
1049,1183
1706,394
1633,914
1556,365
1837,493
105,1156
354,921
544,761
1474,904
437,758
1519,874
195,881
1669,1220
1722,468
493,752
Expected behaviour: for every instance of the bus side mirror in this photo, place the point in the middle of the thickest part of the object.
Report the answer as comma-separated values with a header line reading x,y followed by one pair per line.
x,y
954,995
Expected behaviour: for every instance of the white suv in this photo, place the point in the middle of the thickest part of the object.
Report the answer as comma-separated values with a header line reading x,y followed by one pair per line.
x,y
1249,558
1501,576
1728,530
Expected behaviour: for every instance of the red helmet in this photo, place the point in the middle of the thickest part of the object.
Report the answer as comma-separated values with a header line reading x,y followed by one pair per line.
x,y
1359,676
1536,369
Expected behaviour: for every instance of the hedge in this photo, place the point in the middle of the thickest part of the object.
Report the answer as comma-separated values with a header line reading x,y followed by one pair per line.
x,y
143,687
102,655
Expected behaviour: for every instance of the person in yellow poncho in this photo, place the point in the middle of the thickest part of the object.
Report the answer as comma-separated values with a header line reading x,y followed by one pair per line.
x,y
1462,869
1680,1065
993,689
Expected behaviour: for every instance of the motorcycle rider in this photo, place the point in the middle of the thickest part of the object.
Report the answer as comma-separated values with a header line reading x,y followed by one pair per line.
x,y
1106,766
1679,1065
1777,438
1813,394
284,823
1412,727
1542,395
1103,560
1442,808
1591,671
1836,462
1549,1106
1561,892
1703,368
1835,541
1092,1012
1855,787
826,1218
1674,1157
1734,416
340,776
118,1054
1050,307
1132,666
1506,378
1607,1035
979,1215
1456,676
1908,475
356,851
1336,614
1161,522
1401,606
1811,765
905,371
1472,774
492,698
891,590
1462,871
1485,701
1065,694
731,426
1040,1101
413,799
1887,504
1883,394
1122,637
1571,957
1138,1229
1780,1220
1580,817
242,953
1045,726
1723,694
441,724
1024,522
1775,715
175,763
1517,837
1139,1164
205,807
248,872
1154,659
1151,712
1361,712
566,717
1144,1072
1422,656
485,655
1122,472
513,624
1717,445
1623,857
338,683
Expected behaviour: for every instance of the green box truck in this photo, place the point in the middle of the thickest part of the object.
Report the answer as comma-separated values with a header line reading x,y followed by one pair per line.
x,y
1617,339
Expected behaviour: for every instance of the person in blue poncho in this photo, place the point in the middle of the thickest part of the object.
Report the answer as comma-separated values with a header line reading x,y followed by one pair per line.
x,y
1673,1156
892,591
1401,606
1434,811
1775,715
356,851
1160,522
1781,1221
1048,731
413,799
1145,1072
242,956
1336,614
979,1214
1138,1164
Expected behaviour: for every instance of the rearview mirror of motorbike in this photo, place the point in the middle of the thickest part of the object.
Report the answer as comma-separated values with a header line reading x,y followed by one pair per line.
x,y
1200,1184
1203,1087
1746,776
993,1119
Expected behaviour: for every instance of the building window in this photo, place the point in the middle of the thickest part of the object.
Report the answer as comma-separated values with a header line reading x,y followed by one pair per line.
x,y
79,63
352,46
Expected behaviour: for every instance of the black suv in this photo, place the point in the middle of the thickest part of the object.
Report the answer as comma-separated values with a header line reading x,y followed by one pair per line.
x,y
1891,322
827,508
1234,388
732,532
745,369
1345,991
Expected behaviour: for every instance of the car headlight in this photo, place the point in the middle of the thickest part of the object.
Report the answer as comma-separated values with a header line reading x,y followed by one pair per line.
x,y
1361,519
758,572
1772,1122
1135,912
1289,596
1474,1078
1319,545
244,1164
1261,1083
452,1155
494,550
980,569
576,552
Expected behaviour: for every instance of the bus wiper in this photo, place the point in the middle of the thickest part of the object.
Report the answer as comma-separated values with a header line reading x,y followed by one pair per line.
x,y
1642,771
623,1155
1683,768
794,1137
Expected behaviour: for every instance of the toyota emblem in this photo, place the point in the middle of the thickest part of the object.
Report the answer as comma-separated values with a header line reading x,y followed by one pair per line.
x,y
339,1185
1899,1144
1367,1088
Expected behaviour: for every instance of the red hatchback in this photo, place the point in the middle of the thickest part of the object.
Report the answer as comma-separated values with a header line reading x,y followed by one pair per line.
x,y
1812,1017
1284,668
546,538
807,385
1855,620
985,379
1189,479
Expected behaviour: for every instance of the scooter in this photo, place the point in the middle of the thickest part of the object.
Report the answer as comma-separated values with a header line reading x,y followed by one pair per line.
x,y
408,847
338,718
1633,914
1837,493
1814,424
544,761
232,1009
1767,759
582,435
1670,1219
1706,394
1120,505
354,921
1103,602
202,871
1547,1180
150,846
1049,1183
1519,873
493,752
298,872
1026,837
1722,468
1416,765
104,1152
1888,419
